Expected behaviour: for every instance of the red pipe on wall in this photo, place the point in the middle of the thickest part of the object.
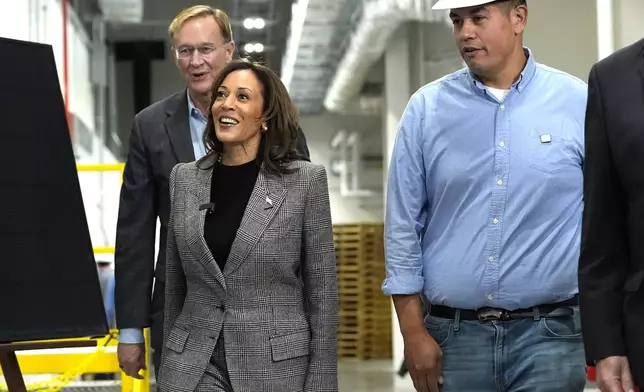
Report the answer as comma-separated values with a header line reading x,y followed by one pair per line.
x,y
65,5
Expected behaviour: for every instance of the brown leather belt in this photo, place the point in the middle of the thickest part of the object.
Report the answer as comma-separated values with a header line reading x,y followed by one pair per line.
x,y
558,309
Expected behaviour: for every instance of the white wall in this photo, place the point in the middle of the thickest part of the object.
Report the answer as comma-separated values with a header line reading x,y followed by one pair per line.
x,y
319,131
555,41
42,21
627,19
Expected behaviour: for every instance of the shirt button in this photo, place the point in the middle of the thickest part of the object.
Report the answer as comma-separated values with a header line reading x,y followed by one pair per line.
x,y
490,297
500,182
491,258
495,221
502,144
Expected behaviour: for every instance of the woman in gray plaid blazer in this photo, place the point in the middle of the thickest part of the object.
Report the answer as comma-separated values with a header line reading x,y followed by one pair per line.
x,y
251,290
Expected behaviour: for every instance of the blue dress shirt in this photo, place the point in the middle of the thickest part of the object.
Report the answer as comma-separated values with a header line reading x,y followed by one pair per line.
x,y
197,122
484,198
197,127
110,311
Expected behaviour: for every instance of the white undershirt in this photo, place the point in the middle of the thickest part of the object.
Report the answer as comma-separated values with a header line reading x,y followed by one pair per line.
x,y
500,94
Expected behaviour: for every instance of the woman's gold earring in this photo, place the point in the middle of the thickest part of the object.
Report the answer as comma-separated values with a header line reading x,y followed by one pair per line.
x,y
264,128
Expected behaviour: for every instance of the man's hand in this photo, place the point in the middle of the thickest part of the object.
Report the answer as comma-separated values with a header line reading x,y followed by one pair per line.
x,y
424,360
132,359
614,375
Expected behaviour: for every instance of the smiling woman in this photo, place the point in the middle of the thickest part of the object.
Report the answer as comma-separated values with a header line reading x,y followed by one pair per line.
x,y
251,282
252,116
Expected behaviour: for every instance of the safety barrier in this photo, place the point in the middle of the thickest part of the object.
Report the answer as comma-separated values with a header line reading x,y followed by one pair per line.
x,y
70,363
104,167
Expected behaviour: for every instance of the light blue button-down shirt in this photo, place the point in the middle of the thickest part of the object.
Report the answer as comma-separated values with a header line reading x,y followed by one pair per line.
x,y
197,127
484,198
197,123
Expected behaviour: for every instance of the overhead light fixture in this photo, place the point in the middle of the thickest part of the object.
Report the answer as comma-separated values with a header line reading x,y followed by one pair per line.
x,y
254,23
253,48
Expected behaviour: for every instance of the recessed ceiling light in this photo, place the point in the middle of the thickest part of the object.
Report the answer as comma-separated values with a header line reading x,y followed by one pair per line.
x,y
254,23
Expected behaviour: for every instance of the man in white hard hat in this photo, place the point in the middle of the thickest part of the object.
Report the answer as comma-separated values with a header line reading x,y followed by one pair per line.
x,y
483,215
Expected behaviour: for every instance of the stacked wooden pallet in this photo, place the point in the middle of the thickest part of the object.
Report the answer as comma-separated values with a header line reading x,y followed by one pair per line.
x,y
365,313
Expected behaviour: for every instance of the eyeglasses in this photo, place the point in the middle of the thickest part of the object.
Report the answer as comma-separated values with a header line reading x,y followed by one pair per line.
x,y
185,52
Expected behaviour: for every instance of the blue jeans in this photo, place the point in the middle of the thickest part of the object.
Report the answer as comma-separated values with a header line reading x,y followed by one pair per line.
x,y
525,355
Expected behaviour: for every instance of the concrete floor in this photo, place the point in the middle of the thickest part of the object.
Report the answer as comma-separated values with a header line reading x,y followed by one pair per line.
x,y
354,376
379,376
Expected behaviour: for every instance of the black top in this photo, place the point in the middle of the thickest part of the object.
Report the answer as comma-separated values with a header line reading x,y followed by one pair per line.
x,y
230,191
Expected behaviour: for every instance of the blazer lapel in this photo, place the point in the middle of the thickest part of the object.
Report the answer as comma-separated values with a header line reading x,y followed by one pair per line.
x,y
177,126
265,200
195,218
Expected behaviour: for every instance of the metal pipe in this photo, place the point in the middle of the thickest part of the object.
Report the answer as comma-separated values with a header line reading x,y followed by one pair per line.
x,y
380,19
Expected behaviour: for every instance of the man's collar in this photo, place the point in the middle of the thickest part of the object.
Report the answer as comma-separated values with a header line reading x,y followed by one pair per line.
x,y
524,79
192,109
191,105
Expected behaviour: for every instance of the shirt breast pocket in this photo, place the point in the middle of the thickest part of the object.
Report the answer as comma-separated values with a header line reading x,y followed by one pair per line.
x,y
551,152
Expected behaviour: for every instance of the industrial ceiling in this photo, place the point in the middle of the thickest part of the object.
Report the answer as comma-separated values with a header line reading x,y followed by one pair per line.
x,y
322,49
130,20
327,64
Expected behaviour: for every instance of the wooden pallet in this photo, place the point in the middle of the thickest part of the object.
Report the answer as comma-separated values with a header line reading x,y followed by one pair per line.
x,y
365,313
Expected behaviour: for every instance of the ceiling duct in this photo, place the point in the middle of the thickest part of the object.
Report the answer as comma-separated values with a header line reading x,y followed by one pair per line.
x,y
318,28
362,105
380,19
122,11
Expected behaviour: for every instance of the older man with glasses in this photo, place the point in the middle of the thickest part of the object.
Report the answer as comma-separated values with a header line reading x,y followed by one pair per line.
x,y
164,134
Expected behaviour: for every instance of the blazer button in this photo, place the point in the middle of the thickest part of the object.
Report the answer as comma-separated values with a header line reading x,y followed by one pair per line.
x,y
222,307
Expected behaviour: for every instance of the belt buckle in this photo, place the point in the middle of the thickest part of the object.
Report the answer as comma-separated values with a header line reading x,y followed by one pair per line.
x,y
490,314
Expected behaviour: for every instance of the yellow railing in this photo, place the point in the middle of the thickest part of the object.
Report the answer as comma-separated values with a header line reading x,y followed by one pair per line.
x,y
100,359
127,383
101,167
69,363
102,250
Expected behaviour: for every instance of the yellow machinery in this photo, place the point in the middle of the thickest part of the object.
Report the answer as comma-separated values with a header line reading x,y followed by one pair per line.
x,y
87,360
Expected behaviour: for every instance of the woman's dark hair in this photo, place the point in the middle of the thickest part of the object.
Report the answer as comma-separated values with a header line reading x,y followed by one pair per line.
x,y
277,144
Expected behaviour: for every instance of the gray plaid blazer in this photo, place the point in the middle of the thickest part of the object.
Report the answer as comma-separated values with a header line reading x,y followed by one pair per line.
x,y
275,302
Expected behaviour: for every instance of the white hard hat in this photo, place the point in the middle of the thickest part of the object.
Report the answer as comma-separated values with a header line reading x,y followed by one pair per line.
x,y
449,4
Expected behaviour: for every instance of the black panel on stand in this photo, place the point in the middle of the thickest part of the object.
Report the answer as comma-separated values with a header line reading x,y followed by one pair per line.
x,y
49,284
